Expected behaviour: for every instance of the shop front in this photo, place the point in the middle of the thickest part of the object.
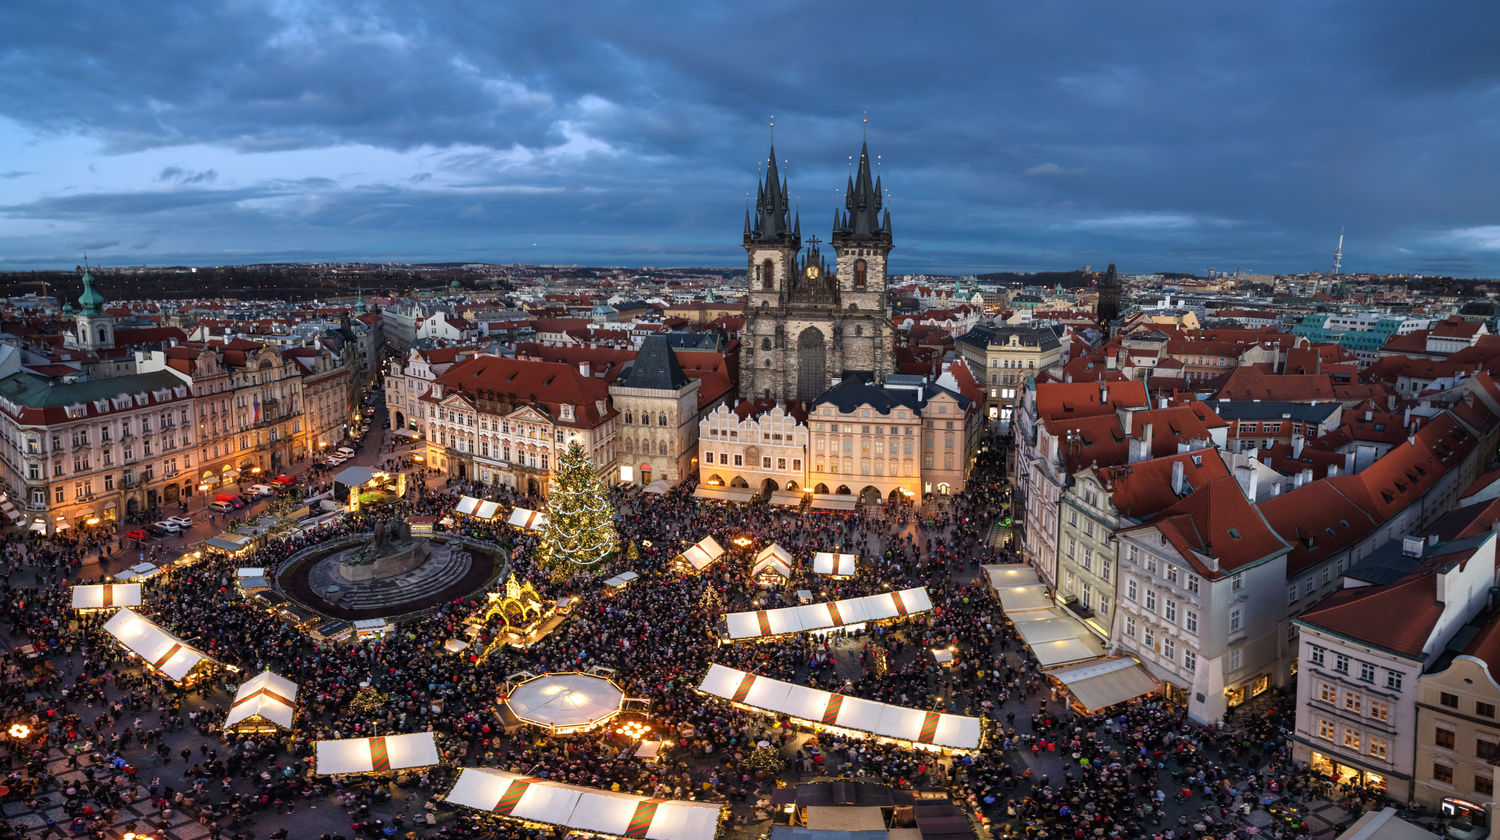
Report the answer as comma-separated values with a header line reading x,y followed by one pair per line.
x,y
1339,773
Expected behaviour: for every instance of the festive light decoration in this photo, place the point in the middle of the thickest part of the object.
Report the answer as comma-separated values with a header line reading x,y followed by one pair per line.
x,y
19,730
367,701
634,729
580,522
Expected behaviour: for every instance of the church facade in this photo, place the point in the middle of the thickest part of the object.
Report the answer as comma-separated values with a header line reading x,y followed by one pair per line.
x,y
808,323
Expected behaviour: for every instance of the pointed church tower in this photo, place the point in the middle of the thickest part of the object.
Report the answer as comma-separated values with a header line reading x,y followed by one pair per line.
x,y
862,243
773,236
95,327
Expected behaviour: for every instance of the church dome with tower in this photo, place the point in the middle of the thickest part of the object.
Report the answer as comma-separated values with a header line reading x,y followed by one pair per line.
x,y
93,328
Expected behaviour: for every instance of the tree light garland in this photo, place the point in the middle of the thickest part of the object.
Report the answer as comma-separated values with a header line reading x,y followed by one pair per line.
x,y
580,528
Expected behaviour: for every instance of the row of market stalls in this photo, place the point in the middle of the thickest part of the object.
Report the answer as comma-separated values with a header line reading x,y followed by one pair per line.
x,y
771,560
1065,648
378,754
486,510
848,613
822,710
106,596
540,803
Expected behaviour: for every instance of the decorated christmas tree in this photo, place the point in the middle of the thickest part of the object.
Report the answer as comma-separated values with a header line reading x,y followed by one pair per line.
x,y
580,529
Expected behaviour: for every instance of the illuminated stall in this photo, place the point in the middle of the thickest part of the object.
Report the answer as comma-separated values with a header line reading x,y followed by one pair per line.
x,y
539,803
266,702
106,596
380,754
165,653
848,614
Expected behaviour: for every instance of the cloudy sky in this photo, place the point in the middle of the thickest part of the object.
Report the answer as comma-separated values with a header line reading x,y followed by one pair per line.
x,y
1011,135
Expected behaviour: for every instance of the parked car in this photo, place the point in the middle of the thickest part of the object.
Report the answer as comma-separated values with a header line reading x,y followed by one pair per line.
x,y
183,522
222,507
344,451
166,527
261,490
138,535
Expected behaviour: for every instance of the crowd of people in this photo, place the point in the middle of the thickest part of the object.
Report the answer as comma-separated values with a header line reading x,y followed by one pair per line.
x,y
135,739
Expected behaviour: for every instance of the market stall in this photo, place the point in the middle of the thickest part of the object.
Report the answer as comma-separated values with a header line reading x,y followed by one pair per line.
x,y
527,520
375,755
1097,685
251,580
542,803
712,493
849,613
163,652
264,703
139,573
702,554
821,710
773,561
481,509
834,501
106,596
620,581
837,565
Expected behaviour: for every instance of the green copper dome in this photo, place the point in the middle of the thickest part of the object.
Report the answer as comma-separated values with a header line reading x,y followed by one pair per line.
x,y
90,302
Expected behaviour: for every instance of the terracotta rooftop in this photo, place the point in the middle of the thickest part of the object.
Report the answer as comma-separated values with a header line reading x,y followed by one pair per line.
x,y
1398,617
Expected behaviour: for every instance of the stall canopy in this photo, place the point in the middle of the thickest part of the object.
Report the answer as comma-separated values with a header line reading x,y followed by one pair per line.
x,y
824,709
621,580
228,542
567,701
529,519
834,501
1103,683
724,494
455,645
375,755
785,498
583,808
1011,574
1054,638
703,553
658,487
759,624
1016,599
829,563
106,596
477,508
773,558
163,651
264,697
138,573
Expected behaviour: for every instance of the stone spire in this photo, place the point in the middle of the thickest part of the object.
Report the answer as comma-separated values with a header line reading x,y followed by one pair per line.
x,y
863,201
772,220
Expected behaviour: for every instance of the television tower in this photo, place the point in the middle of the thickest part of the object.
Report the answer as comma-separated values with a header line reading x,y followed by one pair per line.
x,y
1338,253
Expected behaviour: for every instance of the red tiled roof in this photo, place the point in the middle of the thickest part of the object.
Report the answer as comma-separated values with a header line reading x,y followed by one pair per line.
x,y
1217,521
1398,617
1252,382
1317,521
1144,488
1064,400
517,382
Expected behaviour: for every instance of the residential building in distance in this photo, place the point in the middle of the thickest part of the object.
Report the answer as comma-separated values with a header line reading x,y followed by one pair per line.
x,y
1002,357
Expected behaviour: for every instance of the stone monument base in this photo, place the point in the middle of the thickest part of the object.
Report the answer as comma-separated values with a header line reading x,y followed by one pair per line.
x,y
408,576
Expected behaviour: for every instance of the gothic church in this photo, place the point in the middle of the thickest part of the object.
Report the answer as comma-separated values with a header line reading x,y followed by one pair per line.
x,y
809,324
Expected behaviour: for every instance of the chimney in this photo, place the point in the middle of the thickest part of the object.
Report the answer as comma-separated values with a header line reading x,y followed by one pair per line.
x,y
1249,480
1333,470
1177,477
1405,417
1305,477
1275,489
1297,442
1370,415
585,369
1348,463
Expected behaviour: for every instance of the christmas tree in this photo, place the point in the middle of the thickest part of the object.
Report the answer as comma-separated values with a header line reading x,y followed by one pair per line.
x,y
580,529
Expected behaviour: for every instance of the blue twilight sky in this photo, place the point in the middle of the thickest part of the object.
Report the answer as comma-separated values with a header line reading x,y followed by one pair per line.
x,y
1012,135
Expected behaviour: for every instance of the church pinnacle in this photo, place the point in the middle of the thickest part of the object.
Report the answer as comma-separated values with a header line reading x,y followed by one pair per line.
x,y
771,221
862,199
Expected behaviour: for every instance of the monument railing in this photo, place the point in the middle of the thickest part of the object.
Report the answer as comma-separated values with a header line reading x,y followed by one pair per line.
x,y
352,540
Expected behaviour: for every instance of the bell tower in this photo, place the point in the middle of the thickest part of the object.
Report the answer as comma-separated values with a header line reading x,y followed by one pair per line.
x,y
773,236
95,328
862,242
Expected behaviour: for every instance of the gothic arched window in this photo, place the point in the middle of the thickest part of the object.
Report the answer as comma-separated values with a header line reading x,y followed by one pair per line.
x,y
765,344
661,419
859,330
860,271
629,418
767,275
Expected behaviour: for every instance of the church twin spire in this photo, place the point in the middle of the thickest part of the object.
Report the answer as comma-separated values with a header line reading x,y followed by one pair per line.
x,y
772,210
863,217
862,203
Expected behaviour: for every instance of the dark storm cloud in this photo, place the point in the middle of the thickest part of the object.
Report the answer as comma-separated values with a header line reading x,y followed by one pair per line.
x,y
1159,136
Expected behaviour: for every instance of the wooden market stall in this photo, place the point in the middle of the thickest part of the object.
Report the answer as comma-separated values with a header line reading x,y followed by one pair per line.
x,y
849,613
165,653
380,754
702,554
106,596
537,802
266,702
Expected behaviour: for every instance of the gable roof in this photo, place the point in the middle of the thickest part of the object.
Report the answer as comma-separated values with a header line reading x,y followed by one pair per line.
x,y
1398,617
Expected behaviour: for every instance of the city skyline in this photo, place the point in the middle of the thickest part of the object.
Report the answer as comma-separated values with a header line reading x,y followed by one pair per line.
x,y
1034,139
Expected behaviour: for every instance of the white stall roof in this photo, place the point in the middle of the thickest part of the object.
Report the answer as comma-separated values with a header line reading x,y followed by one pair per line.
x,y
785,498
366,755
250,571
566,700
916,726
528,519
774,558
1099,685
703,553
1011,574
756,624
834,501
583,808
1055,638
620,580
254,584
466,505
138,573
830,563
106,596
455,645
266,695
161,650
1019,599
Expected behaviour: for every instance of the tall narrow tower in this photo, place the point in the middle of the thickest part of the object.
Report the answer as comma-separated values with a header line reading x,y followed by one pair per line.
x,y
1338,253
773,236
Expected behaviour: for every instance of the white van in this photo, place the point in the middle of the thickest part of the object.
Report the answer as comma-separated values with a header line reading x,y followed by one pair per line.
x,y
345,451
